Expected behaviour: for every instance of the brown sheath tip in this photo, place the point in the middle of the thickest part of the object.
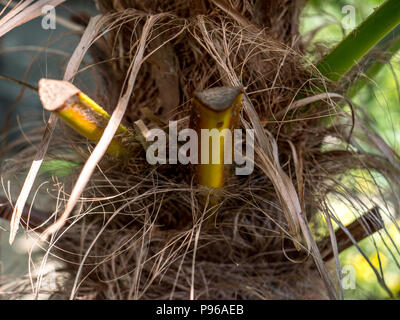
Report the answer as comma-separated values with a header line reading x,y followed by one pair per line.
x,y
54,93
218,99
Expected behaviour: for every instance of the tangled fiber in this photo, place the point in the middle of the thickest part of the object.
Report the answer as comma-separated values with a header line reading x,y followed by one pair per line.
x,y
150,232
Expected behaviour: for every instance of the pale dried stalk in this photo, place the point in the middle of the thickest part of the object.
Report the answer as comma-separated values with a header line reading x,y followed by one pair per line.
x,y
24,13
60,20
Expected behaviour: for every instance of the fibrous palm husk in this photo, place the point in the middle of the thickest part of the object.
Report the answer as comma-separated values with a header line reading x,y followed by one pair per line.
x,y
140,232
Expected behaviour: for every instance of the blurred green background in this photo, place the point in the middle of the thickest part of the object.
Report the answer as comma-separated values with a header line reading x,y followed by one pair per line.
x,y
326,22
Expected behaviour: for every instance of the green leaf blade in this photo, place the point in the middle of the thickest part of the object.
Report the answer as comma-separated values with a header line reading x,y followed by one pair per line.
x,y
358,43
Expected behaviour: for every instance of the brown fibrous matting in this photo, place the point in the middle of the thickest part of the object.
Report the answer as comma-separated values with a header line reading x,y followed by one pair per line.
x,y
149,232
